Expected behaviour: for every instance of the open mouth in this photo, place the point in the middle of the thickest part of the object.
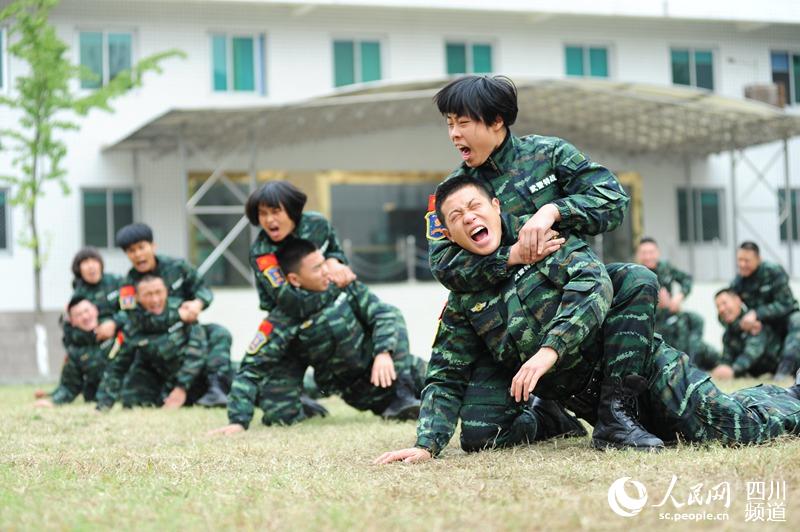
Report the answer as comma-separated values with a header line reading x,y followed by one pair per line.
x,y
479,234
464,150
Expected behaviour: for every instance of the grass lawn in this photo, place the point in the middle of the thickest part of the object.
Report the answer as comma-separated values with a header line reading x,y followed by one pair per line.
x,y
69,468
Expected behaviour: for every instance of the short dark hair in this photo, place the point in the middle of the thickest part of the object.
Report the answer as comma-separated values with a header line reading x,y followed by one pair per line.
x,y
292,253
146,278
276,194
751,246
482,98
724,291
133,233
75,301
648,240
450,186
85,254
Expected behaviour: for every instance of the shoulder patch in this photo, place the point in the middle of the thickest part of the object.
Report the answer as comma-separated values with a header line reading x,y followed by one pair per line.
x,y
268,265
306,324
261,337
127,297
433,229
478,307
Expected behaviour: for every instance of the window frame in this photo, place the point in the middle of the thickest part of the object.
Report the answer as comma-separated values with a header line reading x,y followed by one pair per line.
x,y
259,61
469,58
696,232
790,51
109,190
7,251
586,60
792,233
358,74
693,49
106,56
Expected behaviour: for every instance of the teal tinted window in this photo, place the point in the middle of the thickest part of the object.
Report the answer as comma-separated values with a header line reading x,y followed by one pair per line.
x,y
681,70
91,52
574,60
709,215
219,59
95,218
481,58
456,58
120,52
796,77
122,209
598,62
243,75
699,215
704,69
3,219
785,215
370,61
683,216
344,64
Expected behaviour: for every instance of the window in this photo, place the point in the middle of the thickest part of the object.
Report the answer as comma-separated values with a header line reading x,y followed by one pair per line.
x,y
693,67
784,218
356,62
468,58
237,63
586,61
104,54
4,219
700,215
786,75
105,211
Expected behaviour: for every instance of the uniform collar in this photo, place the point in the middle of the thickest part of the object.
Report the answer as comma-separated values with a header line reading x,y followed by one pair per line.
x,y
502,157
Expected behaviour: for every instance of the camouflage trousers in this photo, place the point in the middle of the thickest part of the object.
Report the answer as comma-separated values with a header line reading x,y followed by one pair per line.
x,y
791,342
148,384
629,324
684,332
279,393
682,401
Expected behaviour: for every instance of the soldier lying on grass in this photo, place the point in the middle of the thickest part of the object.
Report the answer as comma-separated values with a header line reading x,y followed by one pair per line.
x,y
542,328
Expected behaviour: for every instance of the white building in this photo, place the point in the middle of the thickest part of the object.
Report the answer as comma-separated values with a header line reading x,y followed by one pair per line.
x,y
247,54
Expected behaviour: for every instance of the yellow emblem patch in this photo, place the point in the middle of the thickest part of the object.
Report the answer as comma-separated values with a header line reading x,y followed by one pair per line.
x,y
478,307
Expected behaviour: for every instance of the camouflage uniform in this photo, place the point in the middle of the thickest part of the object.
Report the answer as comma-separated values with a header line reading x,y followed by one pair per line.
x,y
682,330
163,352
560,302
273,291
525,174
104,295
767,292
340,340
83,366
750,354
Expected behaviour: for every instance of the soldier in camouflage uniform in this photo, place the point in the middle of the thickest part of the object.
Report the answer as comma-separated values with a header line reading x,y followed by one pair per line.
x,y
358,346
764,287
86,356
742,353
680,329
543,326
184,284
551,180
166,359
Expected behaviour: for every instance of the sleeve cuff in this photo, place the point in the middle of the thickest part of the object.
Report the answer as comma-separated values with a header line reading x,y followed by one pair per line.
x,y
563,210
429,445
556,344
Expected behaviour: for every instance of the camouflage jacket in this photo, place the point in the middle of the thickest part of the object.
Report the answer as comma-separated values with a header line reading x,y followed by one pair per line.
x,y
84,365
668,274
526,174
559,302
174,349
340,341
104,295
767,291
182,280
273,290
751,354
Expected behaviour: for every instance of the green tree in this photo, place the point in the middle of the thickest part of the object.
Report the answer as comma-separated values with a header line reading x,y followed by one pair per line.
x,y
47,103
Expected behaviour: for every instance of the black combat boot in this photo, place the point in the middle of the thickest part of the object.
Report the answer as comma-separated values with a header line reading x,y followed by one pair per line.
x,y
312,408
404,406
785,370
553,420
618,417
795,388
215,395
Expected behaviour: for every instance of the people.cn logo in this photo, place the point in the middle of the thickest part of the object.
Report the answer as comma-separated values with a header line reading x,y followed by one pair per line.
x,y
621,503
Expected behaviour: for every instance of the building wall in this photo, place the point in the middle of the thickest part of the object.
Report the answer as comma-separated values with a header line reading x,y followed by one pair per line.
x,y
299,65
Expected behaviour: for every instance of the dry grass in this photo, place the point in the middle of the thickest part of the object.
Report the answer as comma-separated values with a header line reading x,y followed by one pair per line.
x,y
147,469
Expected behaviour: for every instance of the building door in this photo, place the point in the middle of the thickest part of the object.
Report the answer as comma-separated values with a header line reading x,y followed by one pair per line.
x,y
619,245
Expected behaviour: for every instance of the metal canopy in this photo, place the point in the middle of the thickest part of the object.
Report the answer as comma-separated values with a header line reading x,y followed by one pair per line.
x,y
628,118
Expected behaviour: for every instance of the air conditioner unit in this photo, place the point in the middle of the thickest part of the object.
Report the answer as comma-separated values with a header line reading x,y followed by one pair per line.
x,y
770,93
